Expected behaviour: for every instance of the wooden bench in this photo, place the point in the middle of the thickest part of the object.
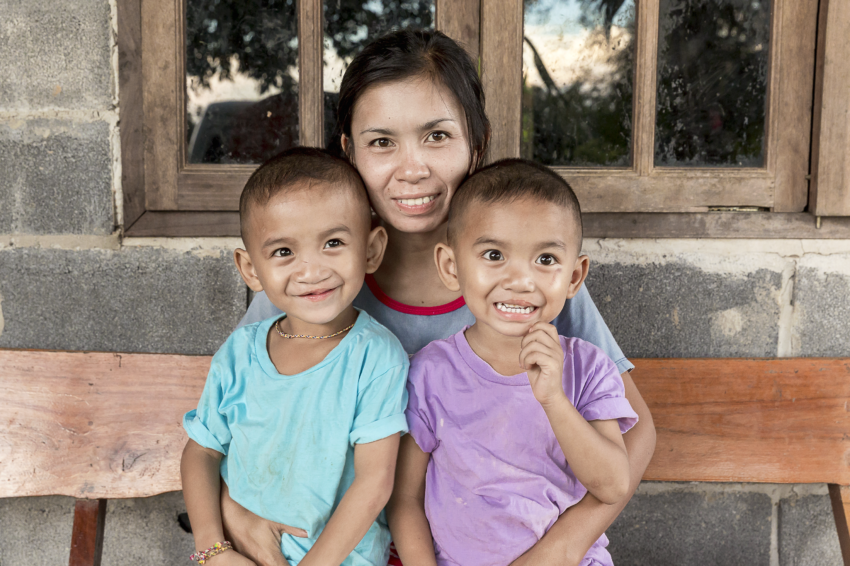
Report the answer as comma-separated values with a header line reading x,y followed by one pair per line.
x,y
97,426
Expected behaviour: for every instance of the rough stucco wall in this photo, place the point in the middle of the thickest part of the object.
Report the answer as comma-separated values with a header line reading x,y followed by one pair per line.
x,y
67,281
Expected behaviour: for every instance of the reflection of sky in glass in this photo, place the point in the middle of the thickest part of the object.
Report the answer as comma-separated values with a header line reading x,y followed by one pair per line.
x,y
577,75
556,30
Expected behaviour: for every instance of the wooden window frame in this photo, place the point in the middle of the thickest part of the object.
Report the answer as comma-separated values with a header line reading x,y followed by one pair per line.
x,y
165,196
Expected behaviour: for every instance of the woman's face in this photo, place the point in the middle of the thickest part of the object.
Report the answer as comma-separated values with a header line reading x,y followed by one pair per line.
x,y
409,143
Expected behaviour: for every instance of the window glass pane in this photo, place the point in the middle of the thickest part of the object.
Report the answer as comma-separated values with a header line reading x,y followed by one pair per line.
x,y
712,82
349,26
578,69
241,79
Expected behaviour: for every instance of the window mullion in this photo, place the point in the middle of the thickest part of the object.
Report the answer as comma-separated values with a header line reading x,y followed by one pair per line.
x,y
646,64
310,74
501,74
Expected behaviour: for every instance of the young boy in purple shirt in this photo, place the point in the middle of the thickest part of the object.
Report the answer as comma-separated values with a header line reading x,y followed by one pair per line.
x,y
510,423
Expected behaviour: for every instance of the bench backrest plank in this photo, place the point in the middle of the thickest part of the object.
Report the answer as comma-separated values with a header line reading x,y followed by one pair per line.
x,y
743,420
99,425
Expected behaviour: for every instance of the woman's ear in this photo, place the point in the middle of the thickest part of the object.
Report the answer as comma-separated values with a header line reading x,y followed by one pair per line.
x,y
578,276
246,270
376,245
446,266
347,148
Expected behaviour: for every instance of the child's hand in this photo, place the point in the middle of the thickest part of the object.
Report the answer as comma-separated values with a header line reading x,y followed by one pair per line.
x,y
543,358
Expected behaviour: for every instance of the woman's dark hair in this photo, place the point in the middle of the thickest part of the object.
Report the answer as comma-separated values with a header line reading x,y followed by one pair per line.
x,y
404,54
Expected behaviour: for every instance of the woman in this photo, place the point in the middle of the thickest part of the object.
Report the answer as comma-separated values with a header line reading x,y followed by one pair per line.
x,y
412,121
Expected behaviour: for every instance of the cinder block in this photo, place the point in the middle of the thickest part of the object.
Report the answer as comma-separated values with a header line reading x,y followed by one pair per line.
x,y
693,529
807,535
145,531
822,309
55,55
678,310
57,178
132,300
36,530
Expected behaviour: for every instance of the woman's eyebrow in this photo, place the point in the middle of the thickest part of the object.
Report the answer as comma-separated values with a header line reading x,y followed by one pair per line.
x,y
382,131
432,123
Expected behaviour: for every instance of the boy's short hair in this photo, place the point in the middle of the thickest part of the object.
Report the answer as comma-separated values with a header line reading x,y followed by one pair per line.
x,y
293,167
509,180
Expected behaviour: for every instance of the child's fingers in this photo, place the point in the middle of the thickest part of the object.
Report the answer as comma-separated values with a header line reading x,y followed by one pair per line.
x,y
537,353
294,531
543,336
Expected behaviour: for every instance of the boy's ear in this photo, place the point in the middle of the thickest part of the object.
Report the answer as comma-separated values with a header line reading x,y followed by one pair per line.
x,y
246,269
446,266
578,276
376,245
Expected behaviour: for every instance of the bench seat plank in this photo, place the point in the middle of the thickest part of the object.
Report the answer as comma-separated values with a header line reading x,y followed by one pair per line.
x,y
94,425
748,420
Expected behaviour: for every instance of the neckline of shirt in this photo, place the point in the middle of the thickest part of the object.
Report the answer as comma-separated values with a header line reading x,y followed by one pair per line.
x,y
265,360
411,309
481,368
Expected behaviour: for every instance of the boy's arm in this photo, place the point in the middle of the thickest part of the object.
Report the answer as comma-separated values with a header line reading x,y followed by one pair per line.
x,y
575,531
406,509
374,469
199,471
594,450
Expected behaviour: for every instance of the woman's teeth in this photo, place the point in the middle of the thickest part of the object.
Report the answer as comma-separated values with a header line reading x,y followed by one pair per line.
x,y
514,309
416,201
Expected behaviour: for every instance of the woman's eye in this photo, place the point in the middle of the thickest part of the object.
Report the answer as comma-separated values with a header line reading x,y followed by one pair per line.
x,y
282,252
547,259
438,136
333,243
493,255
381,142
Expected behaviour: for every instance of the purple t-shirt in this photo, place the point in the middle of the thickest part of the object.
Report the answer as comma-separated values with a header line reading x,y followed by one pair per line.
x,y
497,479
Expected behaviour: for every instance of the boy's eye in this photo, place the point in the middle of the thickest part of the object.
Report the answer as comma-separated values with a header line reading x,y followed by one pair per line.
x,y
493,255
438,136
335,243
547,259
282,252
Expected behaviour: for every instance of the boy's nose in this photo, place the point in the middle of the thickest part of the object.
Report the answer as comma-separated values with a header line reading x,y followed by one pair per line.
x,y
312,272
519,280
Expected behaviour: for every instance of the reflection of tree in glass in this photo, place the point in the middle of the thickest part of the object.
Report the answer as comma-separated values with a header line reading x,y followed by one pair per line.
x,y
258,39
712,81
588,122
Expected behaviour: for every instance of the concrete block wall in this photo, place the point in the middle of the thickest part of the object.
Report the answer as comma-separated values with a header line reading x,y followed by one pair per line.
x,y
69,281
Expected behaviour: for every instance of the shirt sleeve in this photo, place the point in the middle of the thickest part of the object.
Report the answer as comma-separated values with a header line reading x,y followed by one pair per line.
x,y
602,395
260,309
419,416
380,406
206,425
581,319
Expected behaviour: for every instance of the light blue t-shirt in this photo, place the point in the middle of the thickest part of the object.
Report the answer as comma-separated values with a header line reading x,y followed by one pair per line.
x,y
415,327
288,440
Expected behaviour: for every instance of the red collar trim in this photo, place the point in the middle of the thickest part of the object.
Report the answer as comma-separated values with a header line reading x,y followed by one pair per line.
x,y
410,309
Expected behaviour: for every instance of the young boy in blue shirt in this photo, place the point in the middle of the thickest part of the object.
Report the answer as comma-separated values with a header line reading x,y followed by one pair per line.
x,y
301,414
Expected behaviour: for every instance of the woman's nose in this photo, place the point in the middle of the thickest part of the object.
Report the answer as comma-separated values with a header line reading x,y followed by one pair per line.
x,y
412,167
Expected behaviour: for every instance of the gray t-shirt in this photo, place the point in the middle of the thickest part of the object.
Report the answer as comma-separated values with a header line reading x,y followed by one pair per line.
x,y
417,326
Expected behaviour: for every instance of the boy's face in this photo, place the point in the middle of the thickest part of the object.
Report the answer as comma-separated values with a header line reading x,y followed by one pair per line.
x,y
309,250
515,263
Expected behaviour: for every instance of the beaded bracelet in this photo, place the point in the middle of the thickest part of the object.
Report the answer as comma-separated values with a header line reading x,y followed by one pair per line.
x,y
203,555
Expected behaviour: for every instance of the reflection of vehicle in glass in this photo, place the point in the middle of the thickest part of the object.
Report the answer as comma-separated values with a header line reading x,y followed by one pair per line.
x,y
245,131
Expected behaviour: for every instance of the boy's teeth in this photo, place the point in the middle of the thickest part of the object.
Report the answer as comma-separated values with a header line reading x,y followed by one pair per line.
x,y
416,201
513,308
